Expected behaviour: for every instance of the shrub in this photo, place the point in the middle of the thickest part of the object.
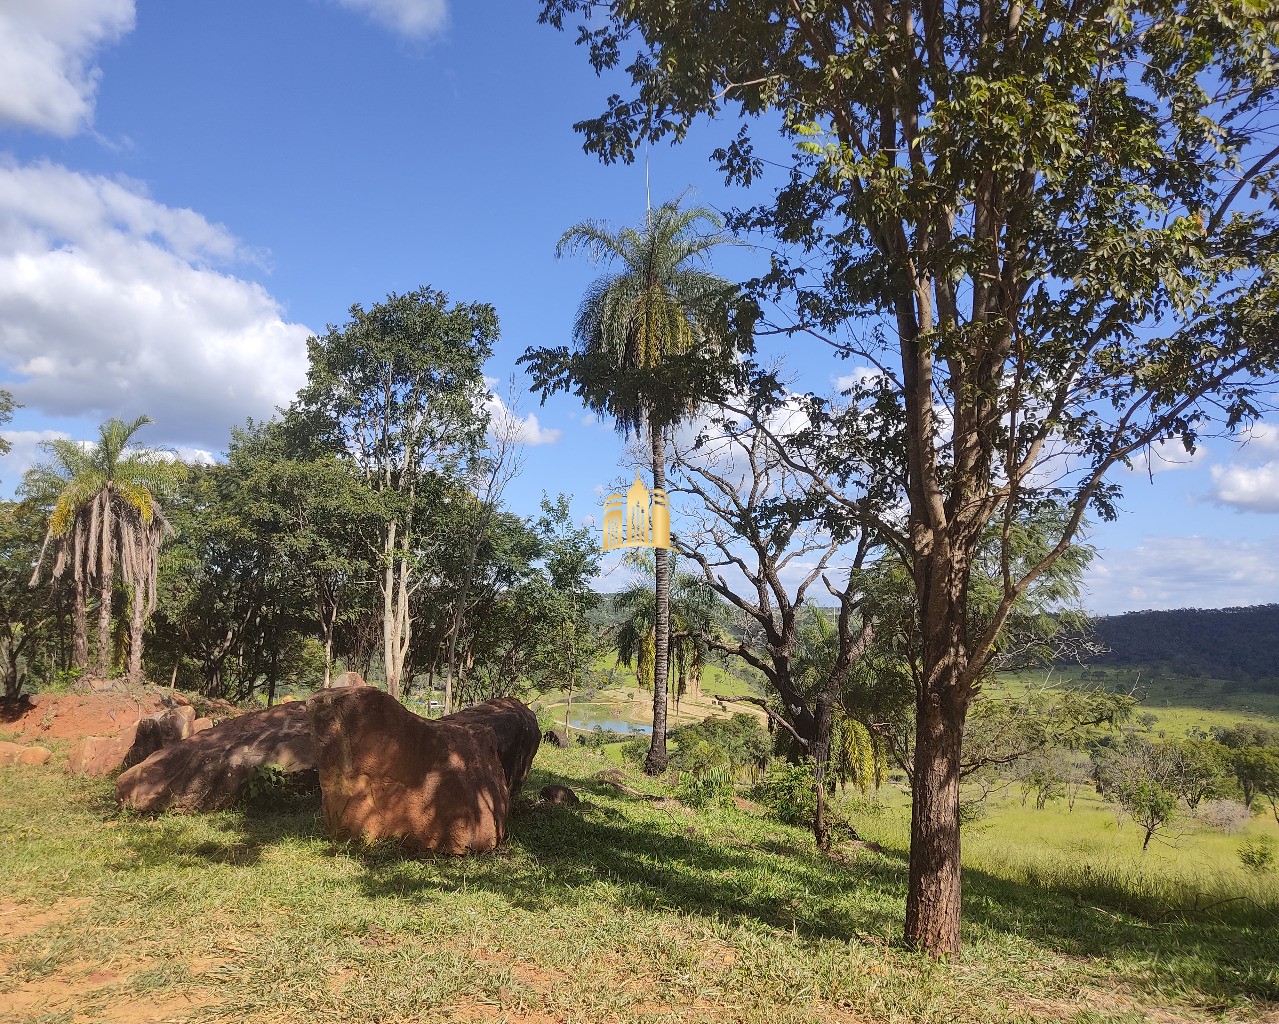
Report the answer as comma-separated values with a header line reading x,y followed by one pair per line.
x,y
1227,815
737,743
789,790
1258,854
706,787
635,751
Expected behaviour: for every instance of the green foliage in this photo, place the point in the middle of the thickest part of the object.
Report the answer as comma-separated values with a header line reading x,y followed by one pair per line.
x,y
734,744
707,786
790,791
1258,855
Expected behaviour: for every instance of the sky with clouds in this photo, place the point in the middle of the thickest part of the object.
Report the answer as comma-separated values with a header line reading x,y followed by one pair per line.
x,y
188,191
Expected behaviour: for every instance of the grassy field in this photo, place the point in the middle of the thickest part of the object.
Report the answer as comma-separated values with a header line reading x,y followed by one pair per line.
x,y
622,910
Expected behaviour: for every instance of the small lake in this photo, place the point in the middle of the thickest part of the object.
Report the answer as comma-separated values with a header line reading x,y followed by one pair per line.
x,y
610,725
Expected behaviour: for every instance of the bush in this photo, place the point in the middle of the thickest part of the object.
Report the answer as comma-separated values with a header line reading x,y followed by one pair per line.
x,y
789,791
1258,854
706,787
635,751
737,743
1227,815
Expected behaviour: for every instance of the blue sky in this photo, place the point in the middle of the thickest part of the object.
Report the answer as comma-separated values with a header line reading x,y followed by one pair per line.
x,y
187,191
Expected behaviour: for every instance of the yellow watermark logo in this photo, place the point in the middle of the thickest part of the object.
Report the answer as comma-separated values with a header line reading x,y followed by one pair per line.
x,y
637,519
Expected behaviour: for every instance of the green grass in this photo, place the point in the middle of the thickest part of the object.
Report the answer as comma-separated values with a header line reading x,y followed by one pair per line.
x,y
623,910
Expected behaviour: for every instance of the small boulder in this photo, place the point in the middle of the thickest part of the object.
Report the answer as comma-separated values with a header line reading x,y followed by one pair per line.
x,y
556,737
347,679
559,795
200,724
211,769
16,753
435,785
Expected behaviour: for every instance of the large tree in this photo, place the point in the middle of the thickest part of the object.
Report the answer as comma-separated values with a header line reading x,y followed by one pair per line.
x,y
399,389
645,336
104,499
1046,231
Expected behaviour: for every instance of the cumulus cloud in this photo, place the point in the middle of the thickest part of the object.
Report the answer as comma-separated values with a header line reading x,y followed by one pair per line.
x,y
414,18
112,304
1247,488
47,77
24,454
1249,481
1183,572
503,422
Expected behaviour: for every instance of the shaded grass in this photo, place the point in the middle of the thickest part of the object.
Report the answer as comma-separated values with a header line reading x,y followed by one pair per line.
x,y
620,911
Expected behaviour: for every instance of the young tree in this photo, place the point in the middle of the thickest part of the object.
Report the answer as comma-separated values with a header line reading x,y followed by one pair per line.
x,y
647,336
104,506
399,389
1043,212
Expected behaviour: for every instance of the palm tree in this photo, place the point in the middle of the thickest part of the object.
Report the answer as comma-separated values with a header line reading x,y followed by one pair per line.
x,y
649,337
104,506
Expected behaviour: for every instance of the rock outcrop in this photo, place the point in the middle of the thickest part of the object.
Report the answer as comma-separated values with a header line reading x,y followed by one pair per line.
x,y
554,794
95,756
211,769
441,785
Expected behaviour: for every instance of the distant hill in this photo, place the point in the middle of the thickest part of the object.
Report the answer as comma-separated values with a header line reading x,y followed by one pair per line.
x,y
1238,645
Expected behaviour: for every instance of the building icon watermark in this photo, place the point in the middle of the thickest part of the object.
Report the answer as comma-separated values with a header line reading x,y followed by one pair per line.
x,y
637,519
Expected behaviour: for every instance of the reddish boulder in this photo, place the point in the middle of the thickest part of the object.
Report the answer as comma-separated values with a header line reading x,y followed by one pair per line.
x,y
517,731
211,769
347,679
16,753
556,737
435,785
200,724
155,732
95,756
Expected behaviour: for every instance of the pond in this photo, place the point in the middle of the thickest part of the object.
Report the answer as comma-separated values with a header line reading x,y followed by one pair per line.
x,y
612,725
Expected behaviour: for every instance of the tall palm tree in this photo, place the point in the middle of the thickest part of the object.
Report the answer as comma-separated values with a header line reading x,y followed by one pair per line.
x,y
648,339
104,506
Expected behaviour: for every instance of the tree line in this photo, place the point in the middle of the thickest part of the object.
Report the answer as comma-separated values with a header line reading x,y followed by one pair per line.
x,y
365,525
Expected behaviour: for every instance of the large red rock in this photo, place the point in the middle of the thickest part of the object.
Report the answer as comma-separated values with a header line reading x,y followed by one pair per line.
x,y
434,785
16,753
211,769
517,731
95,756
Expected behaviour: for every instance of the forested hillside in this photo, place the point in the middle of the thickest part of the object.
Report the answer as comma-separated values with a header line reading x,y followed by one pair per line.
x,y
1236,644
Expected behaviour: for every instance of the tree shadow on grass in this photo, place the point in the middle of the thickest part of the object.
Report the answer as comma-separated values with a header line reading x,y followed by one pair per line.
x,y
623,850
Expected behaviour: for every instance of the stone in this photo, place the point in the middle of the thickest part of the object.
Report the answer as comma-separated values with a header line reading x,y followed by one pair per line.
x,y
517,731
557,738
433,785
559,795
155,732
347,679
211,769
16,753
200,724
95,756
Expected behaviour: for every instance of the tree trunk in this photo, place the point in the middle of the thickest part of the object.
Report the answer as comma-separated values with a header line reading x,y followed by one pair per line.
x,y
397,627
935,890
80,619
820,749
106,575
657,760
137,623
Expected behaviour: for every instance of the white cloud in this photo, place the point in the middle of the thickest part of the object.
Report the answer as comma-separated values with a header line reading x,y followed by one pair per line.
x,y
24,453
526,429
1248,481
1183,572
1166,456
1247,488
47,76
111,305
414,18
